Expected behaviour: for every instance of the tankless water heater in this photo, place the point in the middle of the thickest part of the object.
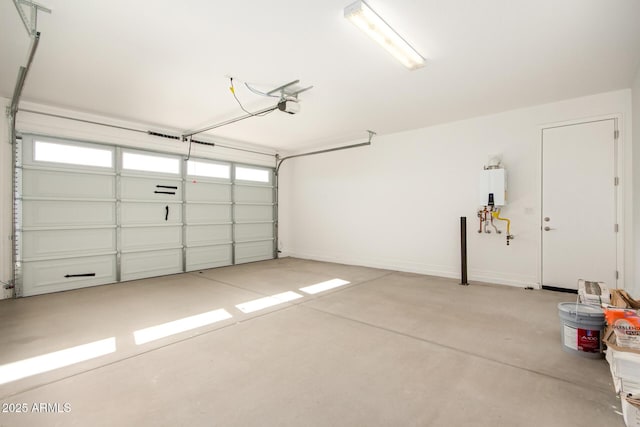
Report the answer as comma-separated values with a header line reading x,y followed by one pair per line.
x,y
493,187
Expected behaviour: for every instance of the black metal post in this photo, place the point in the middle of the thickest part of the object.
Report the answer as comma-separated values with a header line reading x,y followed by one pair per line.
x,y
463,250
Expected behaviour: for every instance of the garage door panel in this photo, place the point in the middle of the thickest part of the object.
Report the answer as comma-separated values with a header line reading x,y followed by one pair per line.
x,y
208,234
209,231
254,251
60,243
253,194
204,213
248,213
150,213
151,216
253,215
203,257
150,238
65,274
58,214
200,191
138,188
150,264
253,231
39,183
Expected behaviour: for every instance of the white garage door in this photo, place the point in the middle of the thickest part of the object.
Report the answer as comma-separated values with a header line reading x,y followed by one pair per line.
x,y
94,214
68,228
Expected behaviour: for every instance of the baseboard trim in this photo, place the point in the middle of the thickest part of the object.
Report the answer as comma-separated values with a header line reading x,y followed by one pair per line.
x,y
558,289
429,270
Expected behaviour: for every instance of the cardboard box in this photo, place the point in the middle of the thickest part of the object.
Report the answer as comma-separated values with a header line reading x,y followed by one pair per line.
x,y
620,298
631,410
611,342
624,364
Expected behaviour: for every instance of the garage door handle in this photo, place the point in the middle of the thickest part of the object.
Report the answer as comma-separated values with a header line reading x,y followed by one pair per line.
x,y
167,186
164,192
80,275
166,215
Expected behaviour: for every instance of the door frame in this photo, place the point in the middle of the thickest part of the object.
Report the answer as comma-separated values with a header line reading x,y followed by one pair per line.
x,y
620,194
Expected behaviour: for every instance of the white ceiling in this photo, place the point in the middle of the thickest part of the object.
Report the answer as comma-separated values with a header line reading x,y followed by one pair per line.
x,y
164,63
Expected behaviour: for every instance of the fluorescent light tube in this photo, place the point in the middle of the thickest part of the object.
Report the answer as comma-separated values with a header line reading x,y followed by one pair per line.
x,y
361,15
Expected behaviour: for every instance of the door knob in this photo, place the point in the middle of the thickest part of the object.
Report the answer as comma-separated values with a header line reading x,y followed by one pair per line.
x,y
547,219
547,228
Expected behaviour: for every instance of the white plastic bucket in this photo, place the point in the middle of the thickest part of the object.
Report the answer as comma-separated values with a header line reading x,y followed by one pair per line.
x,y
582,328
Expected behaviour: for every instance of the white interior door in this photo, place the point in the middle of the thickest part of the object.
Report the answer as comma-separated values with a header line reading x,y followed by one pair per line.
x,y
579,204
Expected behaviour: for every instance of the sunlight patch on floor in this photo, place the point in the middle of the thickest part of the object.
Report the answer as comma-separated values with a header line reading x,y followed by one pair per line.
x,y
324,286
153,333
57,359
262,303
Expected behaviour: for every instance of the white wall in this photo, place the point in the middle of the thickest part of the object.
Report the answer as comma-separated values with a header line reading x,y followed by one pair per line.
x,y
63,128
397,203
634,288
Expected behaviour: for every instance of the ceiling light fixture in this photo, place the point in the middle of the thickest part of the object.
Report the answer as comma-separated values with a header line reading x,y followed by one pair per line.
x,y
365,18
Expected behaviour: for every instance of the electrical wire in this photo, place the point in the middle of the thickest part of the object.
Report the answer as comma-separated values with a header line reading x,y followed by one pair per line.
x,y
233,92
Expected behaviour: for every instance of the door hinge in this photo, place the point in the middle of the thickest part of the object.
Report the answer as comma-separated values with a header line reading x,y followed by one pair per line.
x,y
616,134
617,275
616,181
615,228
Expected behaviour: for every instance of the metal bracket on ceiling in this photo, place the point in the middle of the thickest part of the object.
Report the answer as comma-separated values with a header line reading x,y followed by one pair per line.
x,y
371,133
288,91
30,22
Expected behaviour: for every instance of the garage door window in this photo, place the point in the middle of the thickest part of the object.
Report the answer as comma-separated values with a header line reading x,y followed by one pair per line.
x,y
252,174
72,154
150,163
208,169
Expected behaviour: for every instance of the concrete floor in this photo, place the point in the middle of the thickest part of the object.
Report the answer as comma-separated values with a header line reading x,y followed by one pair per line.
x,y
388,349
